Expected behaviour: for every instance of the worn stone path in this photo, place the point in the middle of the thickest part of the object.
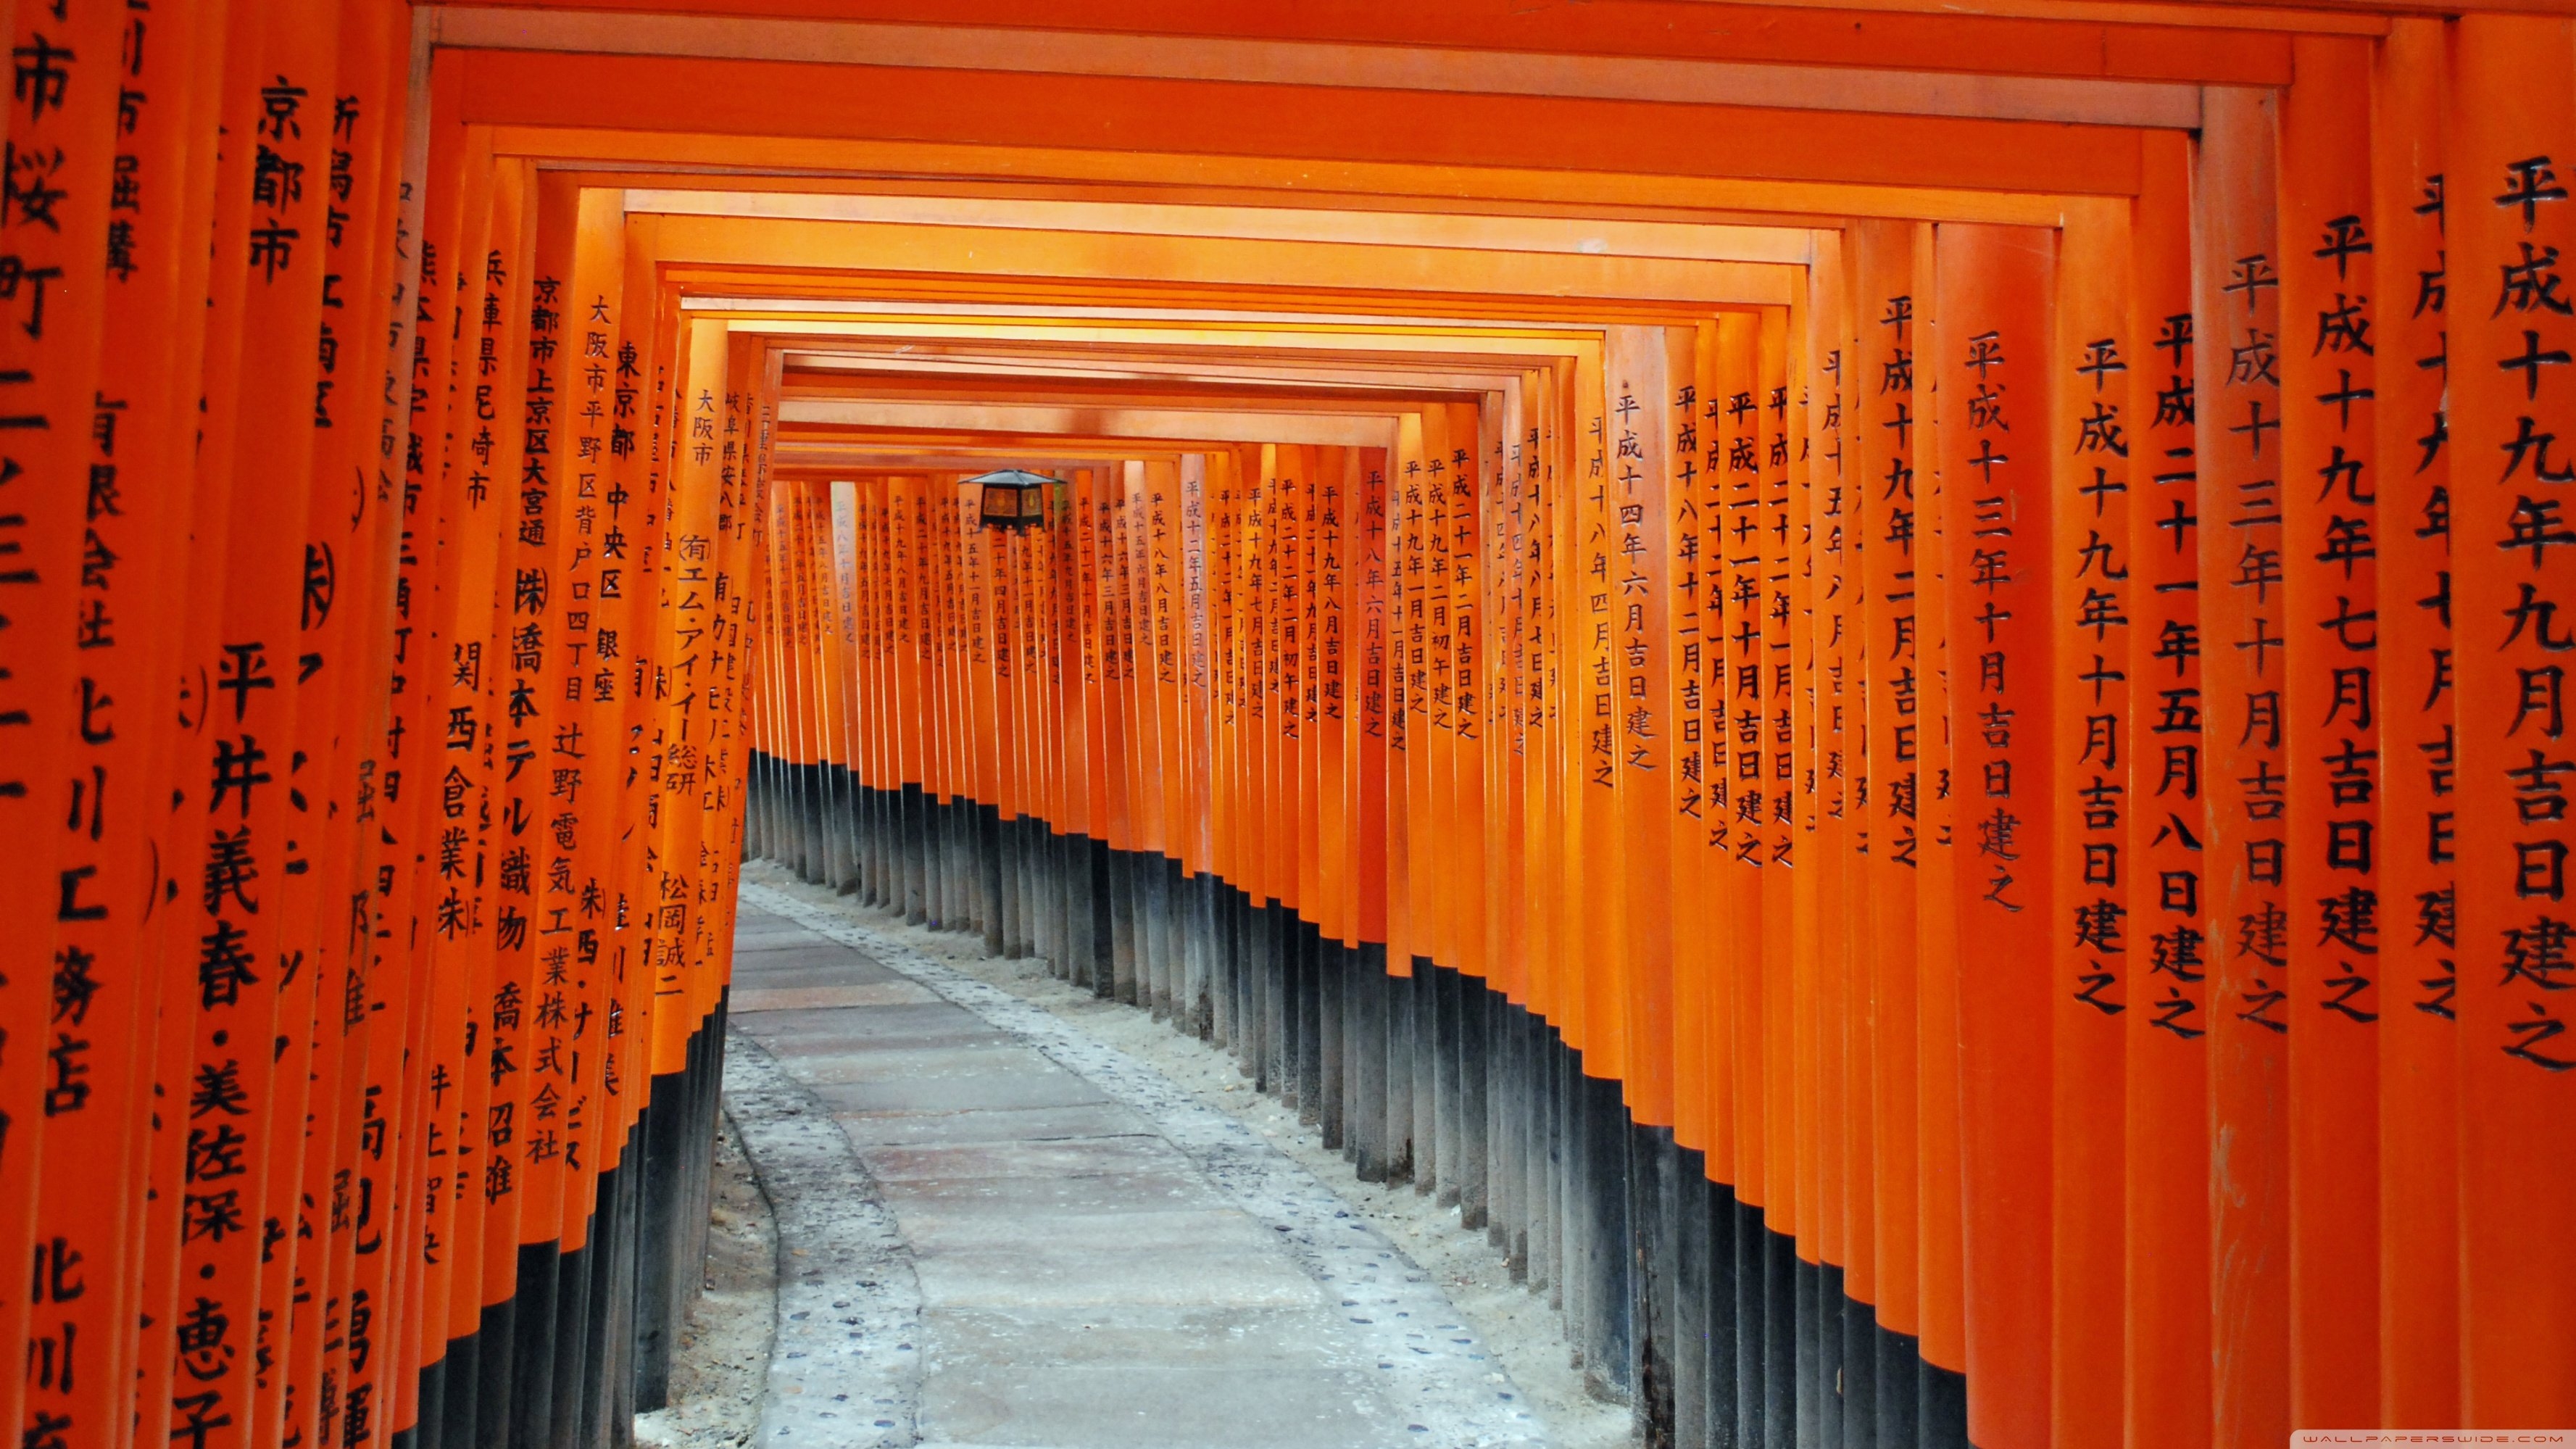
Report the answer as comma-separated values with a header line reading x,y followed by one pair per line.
x,y
1065,1249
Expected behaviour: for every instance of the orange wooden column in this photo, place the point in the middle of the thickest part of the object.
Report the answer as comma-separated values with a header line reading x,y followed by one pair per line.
x,y
1530,765
523,589
1820,957
1373,701
900,546
743,562
1318,740
1515,916
1158,583
2168,877
1435,740
1326,654
988,558
1408,744
1065,751
1781,702
2092,596
995,696
1500,504
1041,699
937,525
1294,595
1128,810
2509,217
2331,698
2419,944
835,575
243,839
1512,916
89,1047
1638,366
1259,628
1240,495
1475,435
733,685
419,753
857,518
1695,673
1328,725
686,625
1995,284
161,1156
1295,778
1570,764
594,659
1604,1019
894,685
1195,536
52,366
347,590
1943,798
635,551
1717,854
934,524
1083,575
986,570
1166,591
2236,304
1013,660
893,563
1909,645
1224,544
1717,448
1786,676
525,1161
1137,713
1890,488
1925,1121
1270,835
1795,532
1410,899
789,702
1548,712
1822,973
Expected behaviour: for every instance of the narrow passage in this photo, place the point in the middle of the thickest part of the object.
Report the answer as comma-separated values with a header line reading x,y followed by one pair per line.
x,y
1091,1255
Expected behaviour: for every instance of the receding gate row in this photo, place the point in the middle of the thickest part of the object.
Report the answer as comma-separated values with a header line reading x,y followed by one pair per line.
x,y
1926,861
362,1005
1975,856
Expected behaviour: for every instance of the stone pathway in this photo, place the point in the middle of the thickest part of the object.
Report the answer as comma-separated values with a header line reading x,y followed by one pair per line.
x,y
1065,1249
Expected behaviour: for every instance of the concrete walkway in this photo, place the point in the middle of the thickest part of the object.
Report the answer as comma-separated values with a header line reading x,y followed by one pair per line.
x,y
1067,1249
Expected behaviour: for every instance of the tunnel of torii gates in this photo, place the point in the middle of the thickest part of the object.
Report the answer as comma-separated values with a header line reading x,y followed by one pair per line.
x,y
1807,653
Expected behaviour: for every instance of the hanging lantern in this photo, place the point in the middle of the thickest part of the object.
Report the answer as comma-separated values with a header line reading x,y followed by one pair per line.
x,y
1014,498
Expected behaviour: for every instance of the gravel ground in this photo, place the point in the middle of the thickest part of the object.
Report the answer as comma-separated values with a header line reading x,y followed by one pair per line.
x,y
722,1358
1513,1323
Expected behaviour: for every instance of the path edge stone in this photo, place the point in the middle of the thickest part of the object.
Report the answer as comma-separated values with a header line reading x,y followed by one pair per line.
x,y
845,1360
